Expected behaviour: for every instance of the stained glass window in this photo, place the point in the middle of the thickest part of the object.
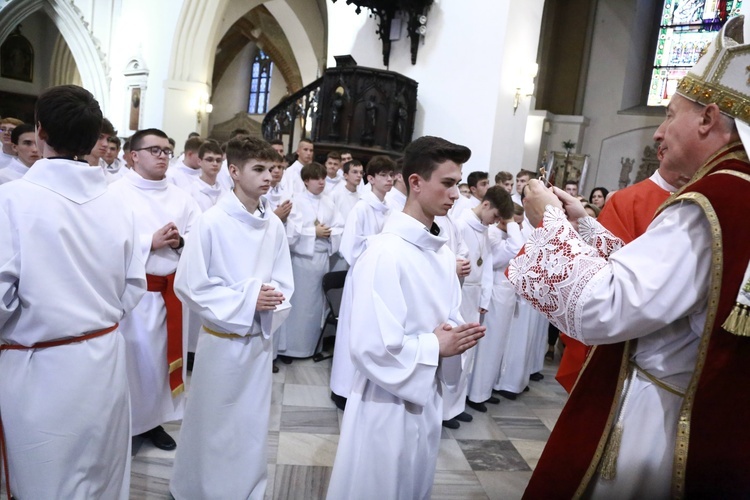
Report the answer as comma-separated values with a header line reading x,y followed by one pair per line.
x,y
686,27
260,84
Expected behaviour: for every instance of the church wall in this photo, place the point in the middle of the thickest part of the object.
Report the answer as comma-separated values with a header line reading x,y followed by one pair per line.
x,y
617,24
464,92
41,32
231,93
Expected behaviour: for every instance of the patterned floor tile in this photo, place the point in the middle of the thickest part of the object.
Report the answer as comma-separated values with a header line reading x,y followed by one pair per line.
x,y
491,455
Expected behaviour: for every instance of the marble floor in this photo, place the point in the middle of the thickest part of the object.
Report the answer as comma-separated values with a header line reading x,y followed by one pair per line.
x,y
491,457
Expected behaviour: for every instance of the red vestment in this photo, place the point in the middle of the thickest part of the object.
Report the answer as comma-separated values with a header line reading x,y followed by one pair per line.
x,y
711,456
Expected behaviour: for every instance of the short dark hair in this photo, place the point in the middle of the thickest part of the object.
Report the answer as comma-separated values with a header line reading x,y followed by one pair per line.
x,y
350,164
345,152
499,198
71,118
604,191
194,144
398,165
172,142
501,177
239,131
423,156
21,129
571,181
113,139
524,173
137,140
306,140
193,134
473,179
126,144
210,146
278,158
242,149
108,128
275,142
334,155
379,164
517,209
312,170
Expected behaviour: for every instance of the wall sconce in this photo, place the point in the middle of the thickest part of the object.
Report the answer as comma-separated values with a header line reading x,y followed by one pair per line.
x,y
525,85
203,108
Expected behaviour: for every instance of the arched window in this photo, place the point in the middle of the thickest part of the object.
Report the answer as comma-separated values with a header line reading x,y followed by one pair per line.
x,y
260,84
685,28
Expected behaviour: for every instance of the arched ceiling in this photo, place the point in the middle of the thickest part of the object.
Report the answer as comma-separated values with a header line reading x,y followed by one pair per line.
x,y
258,26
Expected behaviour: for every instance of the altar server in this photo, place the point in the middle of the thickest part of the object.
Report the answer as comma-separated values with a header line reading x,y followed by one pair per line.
x,y
236,273
477,287
69,275
505,242
366,219
153,330
405,310
314,230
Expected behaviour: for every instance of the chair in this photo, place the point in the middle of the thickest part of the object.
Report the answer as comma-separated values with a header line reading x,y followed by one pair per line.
x,y
333,284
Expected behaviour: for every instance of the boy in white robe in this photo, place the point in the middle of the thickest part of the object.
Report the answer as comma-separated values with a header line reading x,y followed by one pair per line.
x,y
505,242
184,172
153,330
405,312
110,163
23,138
366,219
235,272
7,125
456,245
345,195
277,196
476,291
206,191
396,197
292,181
69,275
514,375
333,174
314,230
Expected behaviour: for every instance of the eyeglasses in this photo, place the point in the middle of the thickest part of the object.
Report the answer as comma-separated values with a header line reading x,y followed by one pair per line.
x,y
6,129
156,150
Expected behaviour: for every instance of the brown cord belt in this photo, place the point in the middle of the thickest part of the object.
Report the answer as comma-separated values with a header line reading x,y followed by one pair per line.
x,y
40,345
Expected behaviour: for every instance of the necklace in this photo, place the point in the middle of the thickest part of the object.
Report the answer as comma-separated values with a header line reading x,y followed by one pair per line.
x,y
480,261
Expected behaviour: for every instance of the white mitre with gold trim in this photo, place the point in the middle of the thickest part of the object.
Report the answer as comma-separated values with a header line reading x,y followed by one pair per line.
x,y
722,76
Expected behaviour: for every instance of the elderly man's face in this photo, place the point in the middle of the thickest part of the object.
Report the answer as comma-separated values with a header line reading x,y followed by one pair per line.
x,y
678,138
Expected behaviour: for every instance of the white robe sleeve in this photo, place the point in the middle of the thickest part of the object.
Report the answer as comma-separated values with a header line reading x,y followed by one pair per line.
x,y
282,279
135,275
336,225
353,238
229,306
9,269
300,229
658,278
404,365
504,249
487,278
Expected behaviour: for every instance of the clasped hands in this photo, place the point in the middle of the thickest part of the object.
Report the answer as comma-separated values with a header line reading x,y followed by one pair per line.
x,y
537,196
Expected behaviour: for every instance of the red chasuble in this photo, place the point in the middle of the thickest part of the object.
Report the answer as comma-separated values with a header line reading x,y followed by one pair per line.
x,y
712,455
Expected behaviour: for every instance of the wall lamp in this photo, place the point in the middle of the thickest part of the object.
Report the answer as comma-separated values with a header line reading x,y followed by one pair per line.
x,y
525,84
203,107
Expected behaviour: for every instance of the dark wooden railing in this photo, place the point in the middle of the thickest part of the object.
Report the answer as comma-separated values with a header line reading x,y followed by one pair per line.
x,y
365,110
